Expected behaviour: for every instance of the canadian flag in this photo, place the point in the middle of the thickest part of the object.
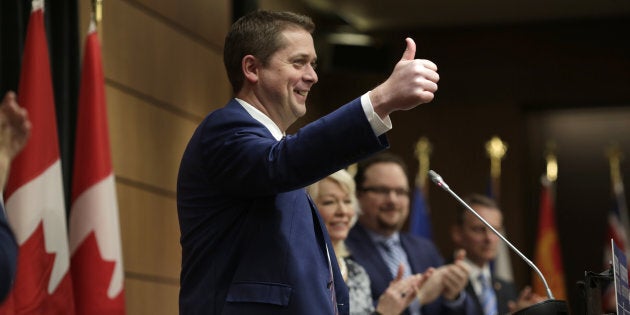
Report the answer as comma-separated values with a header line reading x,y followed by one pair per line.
x,y
34,193
97,269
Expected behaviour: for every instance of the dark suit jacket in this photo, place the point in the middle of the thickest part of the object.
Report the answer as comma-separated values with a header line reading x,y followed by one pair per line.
x,y
505,291
8,256
252,241
421,253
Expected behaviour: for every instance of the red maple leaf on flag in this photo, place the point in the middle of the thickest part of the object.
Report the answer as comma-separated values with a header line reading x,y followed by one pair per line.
x,y
32,280
101,271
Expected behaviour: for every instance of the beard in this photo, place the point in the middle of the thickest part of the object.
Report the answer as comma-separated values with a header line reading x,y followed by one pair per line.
x,y
388,226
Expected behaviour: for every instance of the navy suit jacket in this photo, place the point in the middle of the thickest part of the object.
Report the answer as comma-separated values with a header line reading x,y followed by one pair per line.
x,y
252,240
421,253
504,290
8,256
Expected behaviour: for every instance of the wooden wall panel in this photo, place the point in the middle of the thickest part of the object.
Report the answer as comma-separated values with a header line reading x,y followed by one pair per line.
x,y
147,141
145,297
282,5
209,20
150,233
164,72
149,56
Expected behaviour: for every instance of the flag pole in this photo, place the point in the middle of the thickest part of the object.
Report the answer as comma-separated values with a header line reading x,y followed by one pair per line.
x,y
552,162
614,159
496,150
551,169
96,16
97,11
419,219
423,152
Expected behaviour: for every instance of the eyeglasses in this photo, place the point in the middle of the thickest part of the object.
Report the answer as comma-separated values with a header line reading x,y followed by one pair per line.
x,y
386,191
482,229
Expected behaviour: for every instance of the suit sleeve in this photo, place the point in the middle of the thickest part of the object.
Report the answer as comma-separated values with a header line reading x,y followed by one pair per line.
x,y
8,256
246,160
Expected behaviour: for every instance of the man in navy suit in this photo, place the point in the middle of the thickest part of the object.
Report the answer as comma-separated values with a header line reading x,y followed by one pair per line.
x,y
377,243
252,241
8,256
15,128
480,243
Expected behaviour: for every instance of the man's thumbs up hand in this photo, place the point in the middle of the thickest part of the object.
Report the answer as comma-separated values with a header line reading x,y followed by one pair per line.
x,y
413,82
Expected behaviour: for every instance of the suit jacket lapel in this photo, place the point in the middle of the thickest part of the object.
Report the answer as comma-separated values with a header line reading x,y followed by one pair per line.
x,y
372,259
341,290
473,295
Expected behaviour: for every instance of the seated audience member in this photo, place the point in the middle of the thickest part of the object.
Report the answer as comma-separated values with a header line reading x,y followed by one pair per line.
x,y
492,295
336,202
378,244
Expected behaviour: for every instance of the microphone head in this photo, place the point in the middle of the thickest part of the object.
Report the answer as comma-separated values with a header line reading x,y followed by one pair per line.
x,y
437,179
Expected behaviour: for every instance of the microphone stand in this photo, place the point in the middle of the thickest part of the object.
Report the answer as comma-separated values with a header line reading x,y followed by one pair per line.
x,y
547,307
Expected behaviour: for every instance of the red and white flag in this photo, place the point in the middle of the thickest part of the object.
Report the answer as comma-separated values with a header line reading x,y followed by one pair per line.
x,y
34,193
618,229
97,269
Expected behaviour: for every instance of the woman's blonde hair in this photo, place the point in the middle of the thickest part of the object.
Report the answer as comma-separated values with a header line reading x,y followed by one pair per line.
x,y
346,182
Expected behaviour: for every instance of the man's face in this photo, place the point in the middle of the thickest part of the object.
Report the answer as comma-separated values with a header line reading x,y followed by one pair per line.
x,y
287,78
384,198
478,240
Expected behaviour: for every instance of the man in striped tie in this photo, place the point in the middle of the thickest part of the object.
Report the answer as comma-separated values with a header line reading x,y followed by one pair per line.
x,y
377,243
492,295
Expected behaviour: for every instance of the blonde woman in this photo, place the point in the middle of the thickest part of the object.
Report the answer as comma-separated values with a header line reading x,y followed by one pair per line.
x,y
335,200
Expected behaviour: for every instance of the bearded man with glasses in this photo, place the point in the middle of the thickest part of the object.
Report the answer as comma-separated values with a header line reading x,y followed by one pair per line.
x,y
377,243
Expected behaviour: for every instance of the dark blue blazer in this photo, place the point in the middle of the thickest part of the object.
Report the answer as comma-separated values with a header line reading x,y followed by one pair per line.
x,y
421,253
252,241
505,292
8,256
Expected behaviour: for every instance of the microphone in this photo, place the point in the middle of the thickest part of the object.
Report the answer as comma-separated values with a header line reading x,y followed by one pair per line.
x,y
550,306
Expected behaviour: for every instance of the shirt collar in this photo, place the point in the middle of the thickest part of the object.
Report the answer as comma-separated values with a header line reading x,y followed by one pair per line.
x,y
378,238
262,118
474,271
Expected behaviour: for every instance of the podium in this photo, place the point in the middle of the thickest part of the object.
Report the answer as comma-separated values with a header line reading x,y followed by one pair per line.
x,y
547,307
598,285
592,290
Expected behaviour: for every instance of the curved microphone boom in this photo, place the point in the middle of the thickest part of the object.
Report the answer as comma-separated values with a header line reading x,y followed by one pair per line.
x,y
437,179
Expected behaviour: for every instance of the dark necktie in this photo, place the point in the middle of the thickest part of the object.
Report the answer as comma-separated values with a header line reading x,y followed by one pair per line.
x,y
394,256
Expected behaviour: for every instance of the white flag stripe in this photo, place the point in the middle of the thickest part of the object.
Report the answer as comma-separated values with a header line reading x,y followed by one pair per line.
x,y
42,200
96,209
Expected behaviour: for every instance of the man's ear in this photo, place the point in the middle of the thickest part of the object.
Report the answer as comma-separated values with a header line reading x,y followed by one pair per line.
x,y
250,66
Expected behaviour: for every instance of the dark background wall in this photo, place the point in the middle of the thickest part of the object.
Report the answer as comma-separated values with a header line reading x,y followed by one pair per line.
x,y
566,81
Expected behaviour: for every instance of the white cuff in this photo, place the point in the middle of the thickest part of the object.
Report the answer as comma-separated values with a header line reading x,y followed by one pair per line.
x,y
379,126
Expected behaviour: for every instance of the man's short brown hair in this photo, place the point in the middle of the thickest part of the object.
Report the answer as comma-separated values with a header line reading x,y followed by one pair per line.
x,y
258,34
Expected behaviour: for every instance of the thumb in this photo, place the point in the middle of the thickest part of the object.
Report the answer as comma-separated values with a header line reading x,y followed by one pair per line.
x,y
460,255
410,51
400,273
10,96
